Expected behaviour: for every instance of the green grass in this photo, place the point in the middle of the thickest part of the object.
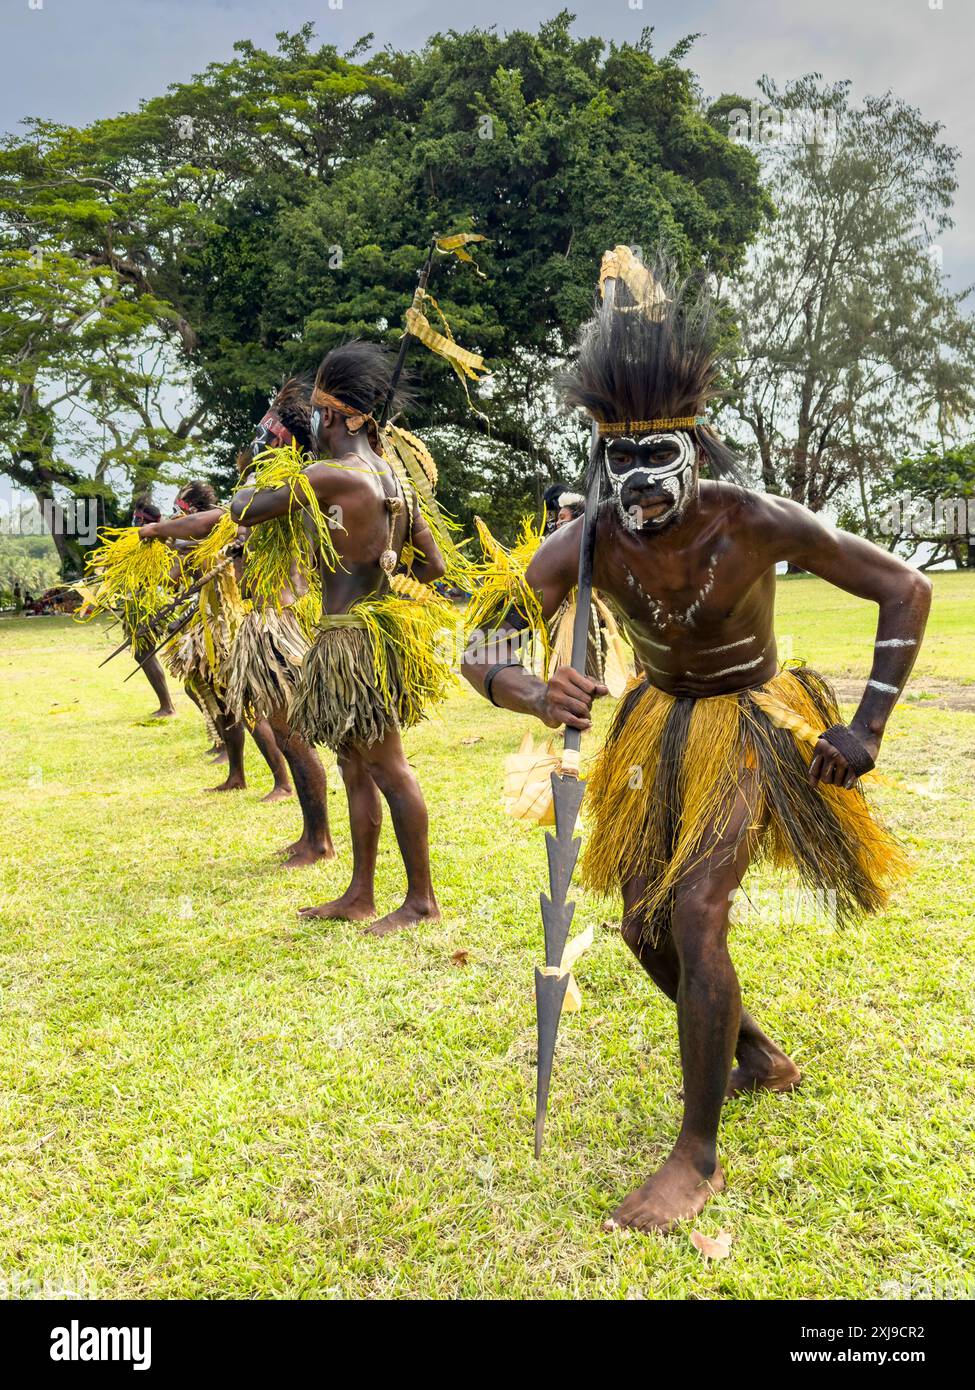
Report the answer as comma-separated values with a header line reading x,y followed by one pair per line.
x,y
206,1096
818,618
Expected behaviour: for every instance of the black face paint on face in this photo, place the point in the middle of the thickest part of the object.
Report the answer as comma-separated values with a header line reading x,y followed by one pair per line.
x,y
652,479
271,433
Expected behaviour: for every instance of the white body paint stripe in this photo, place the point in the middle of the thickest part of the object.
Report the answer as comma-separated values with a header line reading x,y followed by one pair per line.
x,y
896,642
728,670
713,651
887,689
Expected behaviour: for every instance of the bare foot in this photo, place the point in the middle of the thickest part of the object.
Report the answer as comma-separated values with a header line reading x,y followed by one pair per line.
x,y
232,784
218,755
761,1071
406,916
675,1192
277,794
163,714
304,855
351,907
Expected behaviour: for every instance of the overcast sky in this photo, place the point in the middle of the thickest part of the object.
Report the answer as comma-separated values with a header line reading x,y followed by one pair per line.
x,y
74,60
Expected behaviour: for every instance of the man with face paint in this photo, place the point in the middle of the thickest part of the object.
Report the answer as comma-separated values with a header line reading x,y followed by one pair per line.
x,y
716,756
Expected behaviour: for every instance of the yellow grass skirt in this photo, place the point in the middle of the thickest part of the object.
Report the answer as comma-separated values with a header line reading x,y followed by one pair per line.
x,y
381,666
200,653
663,789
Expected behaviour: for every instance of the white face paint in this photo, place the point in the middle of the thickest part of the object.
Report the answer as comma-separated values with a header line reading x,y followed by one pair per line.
x,y
663,463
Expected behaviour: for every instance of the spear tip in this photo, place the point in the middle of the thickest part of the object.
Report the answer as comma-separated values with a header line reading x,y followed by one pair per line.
x,y
549,997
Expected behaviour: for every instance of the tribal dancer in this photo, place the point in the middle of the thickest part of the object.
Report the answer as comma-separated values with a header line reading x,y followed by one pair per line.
x,y
143,513
132,583
373,668
200,656
272,637
716,756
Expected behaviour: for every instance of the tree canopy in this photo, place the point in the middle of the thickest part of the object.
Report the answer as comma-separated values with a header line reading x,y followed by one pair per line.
x,y
280,202
853,350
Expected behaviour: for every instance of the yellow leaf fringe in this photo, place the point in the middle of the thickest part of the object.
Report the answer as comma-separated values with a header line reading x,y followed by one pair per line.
x,y
500,585
210,551
420,634
274,547
132,574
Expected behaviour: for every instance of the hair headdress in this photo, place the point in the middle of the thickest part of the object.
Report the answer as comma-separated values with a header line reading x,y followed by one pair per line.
x,y
648,360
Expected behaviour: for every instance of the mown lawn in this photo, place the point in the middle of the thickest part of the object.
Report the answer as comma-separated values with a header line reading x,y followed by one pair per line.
x,y
207,1097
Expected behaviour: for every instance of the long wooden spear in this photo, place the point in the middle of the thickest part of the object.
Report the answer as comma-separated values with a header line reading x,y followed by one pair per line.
x,y
404,343
568,790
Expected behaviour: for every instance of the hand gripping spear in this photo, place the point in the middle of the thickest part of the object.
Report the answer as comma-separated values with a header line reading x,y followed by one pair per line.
x,y
567,793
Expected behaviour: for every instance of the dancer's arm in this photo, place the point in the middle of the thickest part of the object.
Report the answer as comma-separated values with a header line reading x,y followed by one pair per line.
x,y
492,662
195,526
903,596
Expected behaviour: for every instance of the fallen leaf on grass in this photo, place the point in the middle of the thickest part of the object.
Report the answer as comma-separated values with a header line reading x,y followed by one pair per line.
x,y
459,957
477,738
713,1248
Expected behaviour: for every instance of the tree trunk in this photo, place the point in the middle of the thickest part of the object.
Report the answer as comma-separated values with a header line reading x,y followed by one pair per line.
x,y
71,553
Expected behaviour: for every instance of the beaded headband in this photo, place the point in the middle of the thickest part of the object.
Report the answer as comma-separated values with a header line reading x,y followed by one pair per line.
x,y
635,427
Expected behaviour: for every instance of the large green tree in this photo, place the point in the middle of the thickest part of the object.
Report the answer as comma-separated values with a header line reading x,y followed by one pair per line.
x,y
283,201
924,508
80,380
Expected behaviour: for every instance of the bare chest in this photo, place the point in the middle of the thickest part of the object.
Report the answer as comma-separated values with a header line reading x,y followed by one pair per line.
x,y
700,620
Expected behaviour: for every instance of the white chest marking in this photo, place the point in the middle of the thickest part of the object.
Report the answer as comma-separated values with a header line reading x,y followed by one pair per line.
x,y
728,670
728,646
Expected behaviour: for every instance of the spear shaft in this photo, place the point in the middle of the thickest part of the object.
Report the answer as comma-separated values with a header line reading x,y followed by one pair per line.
x,y
567,793
168,635
407,338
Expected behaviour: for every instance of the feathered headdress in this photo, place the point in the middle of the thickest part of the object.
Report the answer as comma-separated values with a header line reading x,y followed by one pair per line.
x,y
648,360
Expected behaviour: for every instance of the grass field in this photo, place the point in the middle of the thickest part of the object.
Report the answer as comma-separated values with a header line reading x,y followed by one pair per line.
x,y
208,1097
